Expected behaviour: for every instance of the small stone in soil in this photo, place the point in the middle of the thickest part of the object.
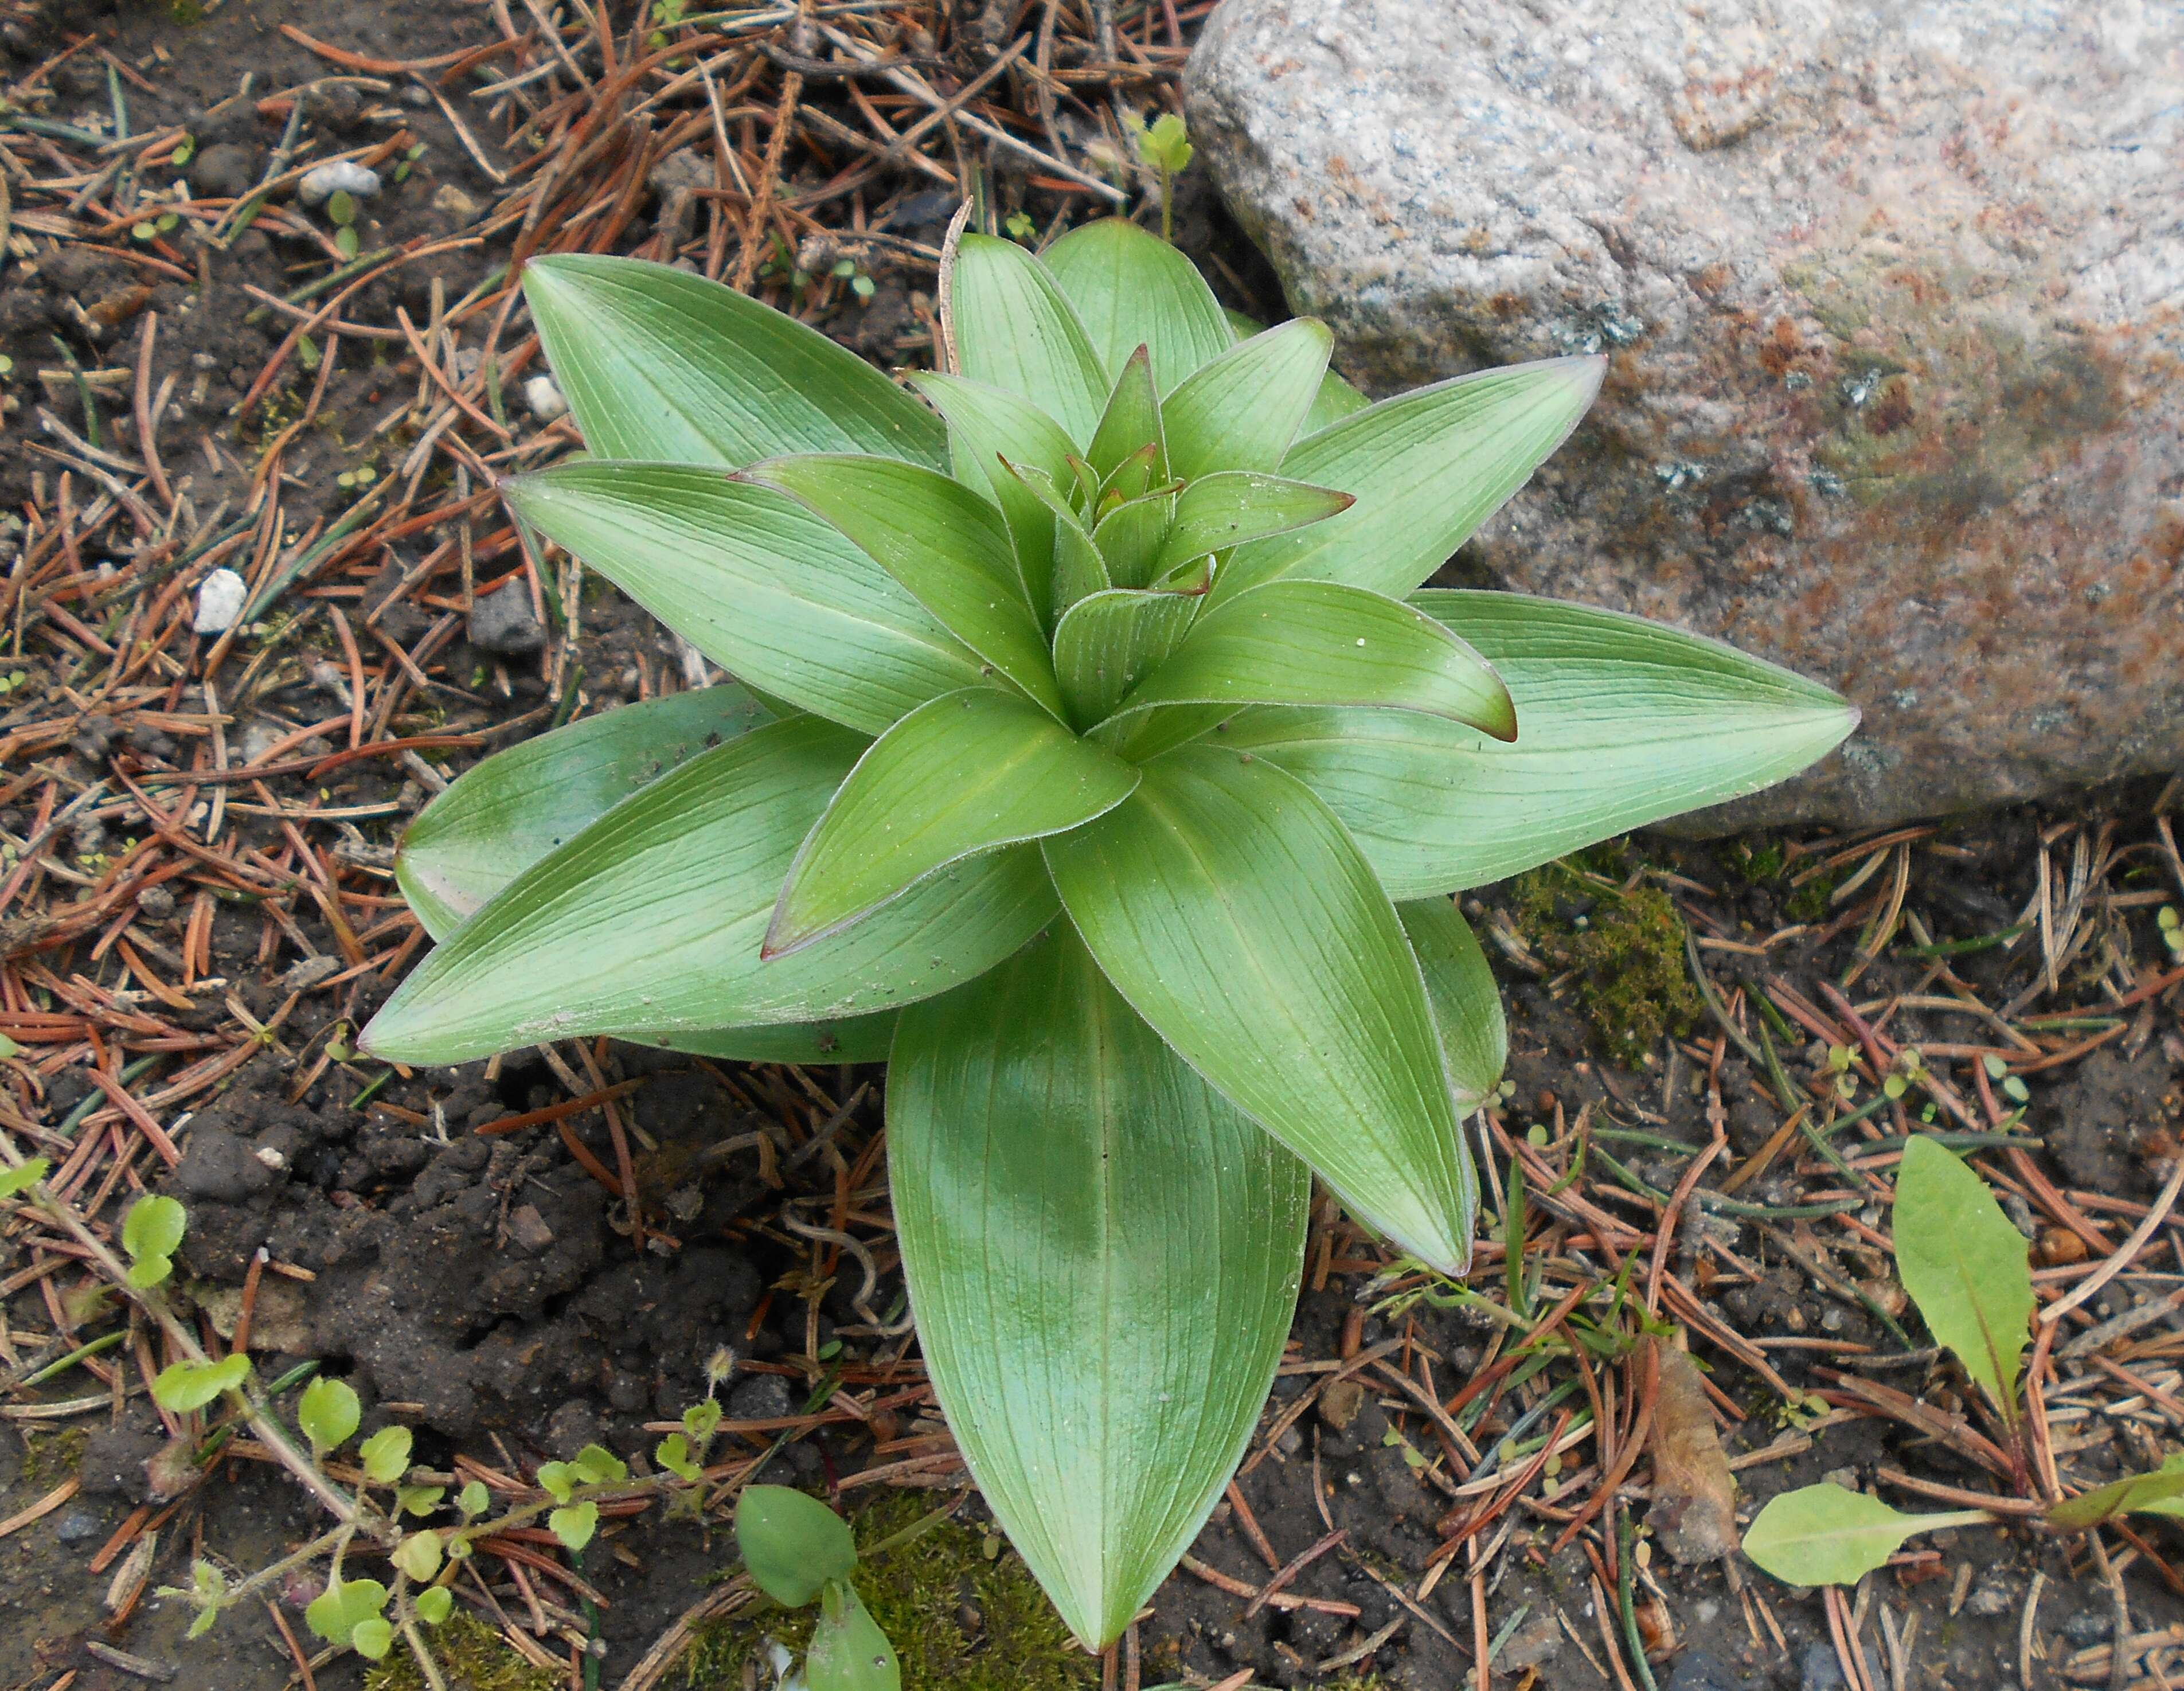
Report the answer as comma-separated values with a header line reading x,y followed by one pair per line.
x,y
763,1397
529,1230
220,602
339,175
504,621
225,171
544,398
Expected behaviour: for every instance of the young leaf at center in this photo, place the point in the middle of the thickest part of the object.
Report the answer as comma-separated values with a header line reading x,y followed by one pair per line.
x,y
969,772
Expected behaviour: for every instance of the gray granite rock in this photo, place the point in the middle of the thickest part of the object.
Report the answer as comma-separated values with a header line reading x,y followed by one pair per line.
x,y
1894,298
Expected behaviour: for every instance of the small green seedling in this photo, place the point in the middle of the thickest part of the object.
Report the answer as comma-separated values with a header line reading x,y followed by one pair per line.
x,y
1966,1267
577,1519
798,1552
1827,1535
1164,146
152,1233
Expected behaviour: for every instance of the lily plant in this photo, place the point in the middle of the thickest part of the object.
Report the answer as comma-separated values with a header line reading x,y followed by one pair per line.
x,y
1094,759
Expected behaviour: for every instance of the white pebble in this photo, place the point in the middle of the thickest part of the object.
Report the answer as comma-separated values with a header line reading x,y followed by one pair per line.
x,y
342,176
544,398
220,602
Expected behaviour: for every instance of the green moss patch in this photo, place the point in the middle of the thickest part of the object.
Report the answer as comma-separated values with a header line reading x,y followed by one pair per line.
x,y
470,1654
961,1610
1620,940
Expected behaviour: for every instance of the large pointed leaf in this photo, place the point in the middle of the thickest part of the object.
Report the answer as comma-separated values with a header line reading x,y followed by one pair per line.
x,y
1624,723
759,584
986,425
1104,645
650,919
1336,398
1467,1003
1103,1254
842,1038
658,364
520,804
2154,1494
1133,289
1964,1266
1428,467
1233,506
942,541
1316,643
1015,329
1227,905
967,774
1242,410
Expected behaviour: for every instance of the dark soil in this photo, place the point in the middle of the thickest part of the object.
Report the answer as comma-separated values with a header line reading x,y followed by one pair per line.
x,y
489,1290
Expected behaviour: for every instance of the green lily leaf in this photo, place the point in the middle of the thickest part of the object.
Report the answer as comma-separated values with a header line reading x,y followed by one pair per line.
x,y
1826,1535
1336,399
1104,1256
943,543
1625,722
792,1543
985,425
1108,642
1130,537
661,364
1241,410
1316,643
650,919
2154,1494
519,805
767,590
1428,467
1965,1265
1227,904
1079,569
1217,511
1133,289
842,1038
1131,423
848,1651
967,774
1467,1003
1015,329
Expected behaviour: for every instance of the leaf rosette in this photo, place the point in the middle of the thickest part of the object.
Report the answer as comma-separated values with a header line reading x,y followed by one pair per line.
x,y
1093,756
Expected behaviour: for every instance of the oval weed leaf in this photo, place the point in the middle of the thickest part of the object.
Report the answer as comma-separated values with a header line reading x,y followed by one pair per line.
x,y
1825,1535
385,1455
23,1176
1964,1266
187,1386
343,1606
574,1523
793,1544
328,1412
154,1227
